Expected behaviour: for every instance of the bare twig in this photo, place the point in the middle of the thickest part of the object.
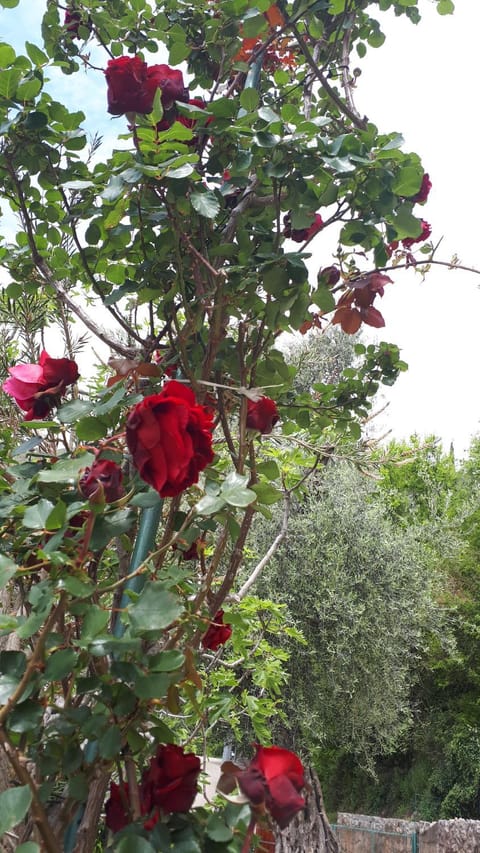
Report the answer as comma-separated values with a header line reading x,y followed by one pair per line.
x,y
271,551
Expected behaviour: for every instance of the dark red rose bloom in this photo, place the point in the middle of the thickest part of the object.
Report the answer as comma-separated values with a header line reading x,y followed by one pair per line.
x,y
106,473
422,195
170,439
170,81
194,551
116,814
274,779
424,235
170,782
262,415
72,22
132,85
217,633
37,388
302,234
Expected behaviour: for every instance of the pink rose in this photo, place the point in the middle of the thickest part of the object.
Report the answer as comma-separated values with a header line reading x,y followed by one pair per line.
x,y
37,388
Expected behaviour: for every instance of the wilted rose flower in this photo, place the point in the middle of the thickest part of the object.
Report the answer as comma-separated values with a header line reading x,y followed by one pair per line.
x,y
302,234
116,807
105,473
422,195
132,85
170,782
272,782
170,439
217,633
37,388
262,415
424,235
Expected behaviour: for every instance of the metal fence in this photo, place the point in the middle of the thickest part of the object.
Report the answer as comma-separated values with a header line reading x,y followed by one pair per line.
x,y
359,839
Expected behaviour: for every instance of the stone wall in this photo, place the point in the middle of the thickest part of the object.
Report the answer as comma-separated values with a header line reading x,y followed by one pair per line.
x,y
367,834
451,836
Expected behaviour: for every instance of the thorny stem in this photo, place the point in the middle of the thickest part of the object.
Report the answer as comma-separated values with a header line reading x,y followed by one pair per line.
x,y
48,276
35,659
39,814
332,94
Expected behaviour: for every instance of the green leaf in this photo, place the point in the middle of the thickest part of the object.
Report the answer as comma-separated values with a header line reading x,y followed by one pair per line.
x,y
146,499
7,570
66,470
60,664
155,609
35,516
70,412
152,686
234,491
110,743
408,180
28,847
136,843
406,224
90,429
37,56
266,493
14,804
178,52
7,55
166,661
36,120
9,81
205,203
249,99
217,830
25,717
209,504
57,517
445,7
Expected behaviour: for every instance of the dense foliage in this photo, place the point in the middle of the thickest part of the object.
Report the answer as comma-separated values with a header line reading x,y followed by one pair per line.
x,y
127,497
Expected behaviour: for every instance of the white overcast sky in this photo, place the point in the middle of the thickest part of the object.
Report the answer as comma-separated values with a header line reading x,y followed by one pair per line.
x,y
423,83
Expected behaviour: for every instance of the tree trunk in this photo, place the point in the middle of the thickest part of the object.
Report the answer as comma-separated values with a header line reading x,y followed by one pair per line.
x,y
310,831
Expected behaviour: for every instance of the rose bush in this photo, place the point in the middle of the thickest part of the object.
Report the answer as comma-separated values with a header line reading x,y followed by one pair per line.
x,y
37,388
170,439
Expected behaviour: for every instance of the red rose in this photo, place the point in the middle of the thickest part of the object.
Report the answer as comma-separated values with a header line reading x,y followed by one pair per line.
x,y
217,633
274,779
36,388
170,782
116,807
302,234
170,81
106,473
72,22
424,235
132,85
262,415
422,195
170,439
